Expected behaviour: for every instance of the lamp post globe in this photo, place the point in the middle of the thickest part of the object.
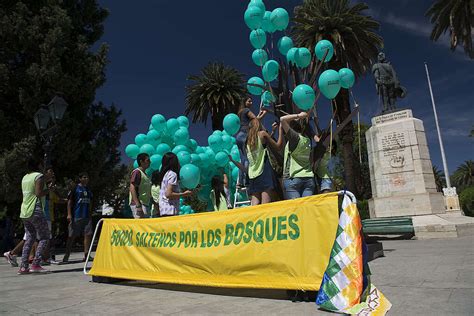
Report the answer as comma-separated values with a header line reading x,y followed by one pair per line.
x,y
57,107
41,118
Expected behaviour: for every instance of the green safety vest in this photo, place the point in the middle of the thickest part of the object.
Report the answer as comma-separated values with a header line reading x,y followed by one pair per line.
x,y
144,189
29,197
299,159
322,170
155,193
256,159
222,204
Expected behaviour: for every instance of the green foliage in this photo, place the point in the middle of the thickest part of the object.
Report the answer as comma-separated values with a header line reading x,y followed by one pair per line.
x,y
48,48
466,199
217,91
457,16
440,179
463,177
363,207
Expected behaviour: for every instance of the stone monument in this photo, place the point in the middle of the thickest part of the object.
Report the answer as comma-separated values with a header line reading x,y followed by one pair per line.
x,y
401,173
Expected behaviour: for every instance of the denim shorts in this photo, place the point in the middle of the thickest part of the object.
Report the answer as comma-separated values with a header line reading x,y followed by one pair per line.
x,y
298,187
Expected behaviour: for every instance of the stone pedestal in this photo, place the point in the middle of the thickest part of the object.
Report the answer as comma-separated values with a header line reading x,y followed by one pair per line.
x,y
451,199
401,173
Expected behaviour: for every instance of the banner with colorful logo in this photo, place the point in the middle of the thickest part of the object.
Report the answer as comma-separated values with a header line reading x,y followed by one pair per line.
x,y
281,245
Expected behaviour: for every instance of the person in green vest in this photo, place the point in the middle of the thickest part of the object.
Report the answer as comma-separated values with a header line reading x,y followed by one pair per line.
x,y
298,176
263,182
323,171
140,188
33,217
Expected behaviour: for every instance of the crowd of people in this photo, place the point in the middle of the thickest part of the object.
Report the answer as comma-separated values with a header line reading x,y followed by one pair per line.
x,y
40,195
270,169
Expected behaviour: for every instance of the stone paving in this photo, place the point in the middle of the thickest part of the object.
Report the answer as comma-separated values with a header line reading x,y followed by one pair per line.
x,y
419,277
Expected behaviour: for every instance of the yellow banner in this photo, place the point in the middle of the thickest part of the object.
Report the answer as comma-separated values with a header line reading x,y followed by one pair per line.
x,y
282,245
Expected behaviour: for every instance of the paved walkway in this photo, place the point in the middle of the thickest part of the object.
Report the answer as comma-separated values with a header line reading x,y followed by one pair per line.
x,y
420,277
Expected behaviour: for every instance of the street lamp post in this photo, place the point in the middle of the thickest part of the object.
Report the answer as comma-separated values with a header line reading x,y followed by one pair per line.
x,y
54,112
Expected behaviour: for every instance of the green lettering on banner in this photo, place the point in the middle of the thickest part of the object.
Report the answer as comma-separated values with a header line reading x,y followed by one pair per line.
x,y
210,238
270,236
258,236
229,234
173,239
187,239
203,240
155,239
181,238
295,234
167,240
152,235
239,232
281,228
194,242
218,237
162,239
137,237
248,232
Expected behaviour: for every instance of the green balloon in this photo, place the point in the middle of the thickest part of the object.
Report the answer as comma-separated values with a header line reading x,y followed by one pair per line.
x,y
303,57
259,57
158,122
303,96
258,38
267,24
181,136
253,17
321,48
155,161
141,140
329,83
147,149
162,149
172,126
290,56
346,78
192,144
268,97
153,137
189,176
222,159
132,151
254,89
284,45
270,70
257,3
180,148
183,121
231,123
184,157
280,19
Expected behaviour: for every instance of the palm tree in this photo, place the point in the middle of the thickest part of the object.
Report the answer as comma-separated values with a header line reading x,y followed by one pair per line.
x,y
440,179
458,17
464,175
217,91
356,45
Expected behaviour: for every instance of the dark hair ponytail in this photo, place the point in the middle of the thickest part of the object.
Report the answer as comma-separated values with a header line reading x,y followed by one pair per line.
x,y
169,162
218,186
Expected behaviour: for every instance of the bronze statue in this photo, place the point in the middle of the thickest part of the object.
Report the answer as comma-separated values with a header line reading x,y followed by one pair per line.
x,y
387,84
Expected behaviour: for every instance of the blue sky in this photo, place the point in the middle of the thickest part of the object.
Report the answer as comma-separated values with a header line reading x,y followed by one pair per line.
x,y
156,45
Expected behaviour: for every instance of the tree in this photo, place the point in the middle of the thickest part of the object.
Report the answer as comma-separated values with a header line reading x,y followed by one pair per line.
x,y
356,45
457,16
440,179
463,177
48,49
217,91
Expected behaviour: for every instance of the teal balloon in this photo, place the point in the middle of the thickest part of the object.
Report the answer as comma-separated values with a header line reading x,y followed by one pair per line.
x,y
168,139
235,173
215,142
189,176
320,50
303,57
270,70
172,126
217,133
253,17
254,89
155,161
153,137
290,56
222,159
183,121
304,97
141,140
259,57
132,151
181,136
191,144
231,123
180,148
346,78
195,159
329,83
204,159
268,97
235,154
135,164
280,19
199,150
162,149
158,122
227,142
257,3
284,45
184,157
258,38
147,149
267,24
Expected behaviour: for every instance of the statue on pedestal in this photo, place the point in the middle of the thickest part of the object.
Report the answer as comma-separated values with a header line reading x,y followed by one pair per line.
x,y
387,84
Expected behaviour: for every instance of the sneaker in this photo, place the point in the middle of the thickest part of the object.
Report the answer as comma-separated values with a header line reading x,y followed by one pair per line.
x,y
23,271
11,259
90,259
52,261
36,268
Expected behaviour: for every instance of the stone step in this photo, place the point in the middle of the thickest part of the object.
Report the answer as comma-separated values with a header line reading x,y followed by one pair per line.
x,y
448,225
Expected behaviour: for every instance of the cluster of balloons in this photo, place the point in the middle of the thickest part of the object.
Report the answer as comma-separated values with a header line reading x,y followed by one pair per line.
x,y
262,22
198,163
